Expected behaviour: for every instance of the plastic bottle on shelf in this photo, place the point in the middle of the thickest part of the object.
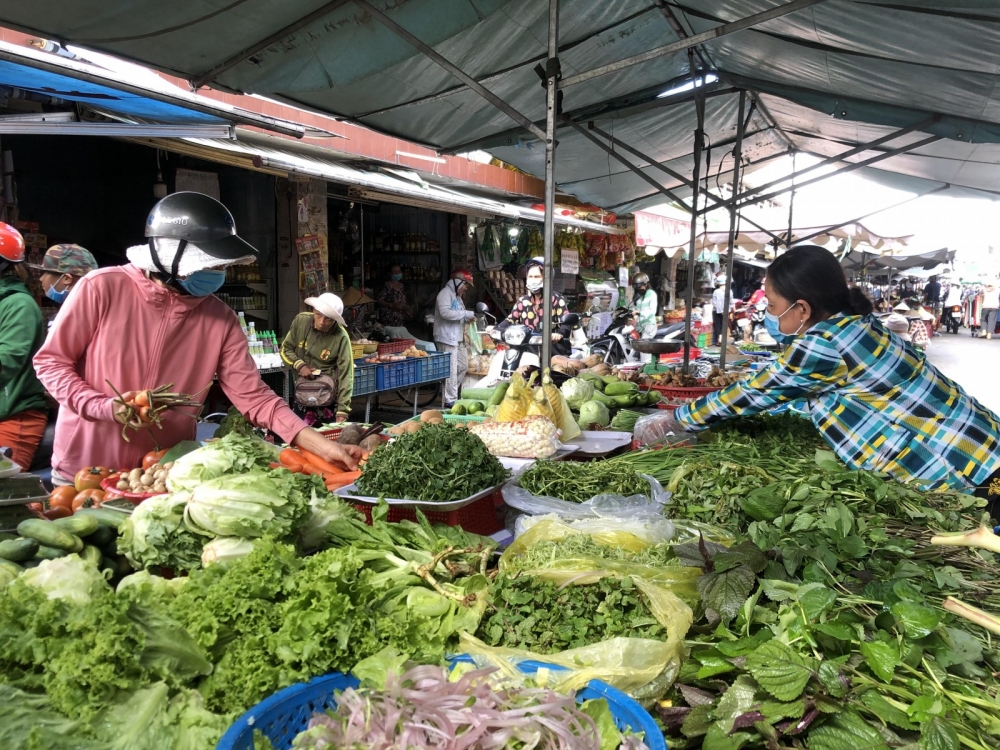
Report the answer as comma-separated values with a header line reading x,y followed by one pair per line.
x,y
243,321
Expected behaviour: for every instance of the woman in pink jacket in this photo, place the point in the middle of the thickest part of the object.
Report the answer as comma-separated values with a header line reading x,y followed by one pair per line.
x,y
153,322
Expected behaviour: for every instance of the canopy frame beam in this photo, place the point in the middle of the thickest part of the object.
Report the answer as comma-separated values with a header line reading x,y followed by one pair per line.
x,y
460,74
692,41
253,49
551,74
699,145
849,168
840,157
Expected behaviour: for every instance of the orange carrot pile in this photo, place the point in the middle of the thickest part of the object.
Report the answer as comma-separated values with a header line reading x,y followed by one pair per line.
x,y
301,461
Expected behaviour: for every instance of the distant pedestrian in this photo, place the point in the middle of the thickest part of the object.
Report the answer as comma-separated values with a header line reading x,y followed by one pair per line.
x,y
991,304
718,310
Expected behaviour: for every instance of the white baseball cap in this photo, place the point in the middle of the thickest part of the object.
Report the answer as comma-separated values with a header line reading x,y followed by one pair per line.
x,y
328,304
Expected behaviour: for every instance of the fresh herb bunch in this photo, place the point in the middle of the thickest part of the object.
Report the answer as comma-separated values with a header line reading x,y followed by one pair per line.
x,y
574,546
438,463
577,482
538,615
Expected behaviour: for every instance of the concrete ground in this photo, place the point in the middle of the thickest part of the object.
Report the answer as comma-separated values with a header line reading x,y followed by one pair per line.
x,y
972,363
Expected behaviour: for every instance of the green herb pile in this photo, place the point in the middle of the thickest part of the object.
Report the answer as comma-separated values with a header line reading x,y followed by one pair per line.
x,y
823,626
176,660
575,546
577,482
438,463
538,615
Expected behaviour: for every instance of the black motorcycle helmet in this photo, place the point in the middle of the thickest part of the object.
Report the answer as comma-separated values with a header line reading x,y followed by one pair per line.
x,y
199,219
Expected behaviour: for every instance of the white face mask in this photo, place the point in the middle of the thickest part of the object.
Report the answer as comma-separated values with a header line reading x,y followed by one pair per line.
x,y
534,285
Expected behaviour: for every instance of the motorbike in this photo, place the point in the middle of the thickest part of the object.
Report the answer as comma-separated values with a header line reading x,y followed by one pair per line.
x,y
756,318
519,346
615,344
952,318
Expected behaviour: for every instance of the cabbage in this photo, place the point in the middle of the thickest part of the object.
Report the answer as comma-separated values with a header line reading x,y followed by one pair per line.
x,y
250,505
326,508
594,412
233,454
71,578
577,391
225,549
147,587
155,534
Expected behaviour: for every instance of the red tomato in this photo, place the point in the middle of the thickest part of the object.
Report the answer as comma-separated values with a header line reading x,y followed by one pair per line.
x,y
62,497
91,478
58,512
152,458
88,499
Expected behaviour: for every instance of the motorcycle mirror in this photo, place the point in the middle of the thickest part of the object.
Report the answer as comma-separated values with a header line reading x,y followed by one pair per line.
x,y
570,319
481,307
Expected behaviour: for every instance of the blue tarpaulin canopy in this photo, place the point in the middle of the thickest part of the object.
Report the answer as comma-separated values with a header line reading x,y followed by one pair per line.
x,y
824,79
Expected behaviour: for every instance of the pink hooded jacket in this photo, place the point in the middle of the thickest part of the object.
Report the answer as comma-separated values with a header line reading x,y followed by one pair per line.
x,y
120,326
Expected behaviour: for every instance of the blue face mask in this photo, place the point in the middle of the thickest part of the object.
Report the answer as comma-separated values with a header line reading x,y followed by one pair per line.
x,y
57,296
397,277
771,324
202,283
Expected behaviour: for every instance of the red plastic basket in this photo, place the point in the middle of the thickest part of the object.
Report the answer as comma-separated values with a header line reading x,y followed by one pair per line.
x,y
678,356
395,346
479,517
692,392
111,491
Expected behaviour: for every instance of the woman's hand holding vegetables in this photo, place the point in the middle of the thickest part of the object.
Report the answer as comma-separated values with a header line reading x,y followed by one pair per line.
x,y
126,416
345,455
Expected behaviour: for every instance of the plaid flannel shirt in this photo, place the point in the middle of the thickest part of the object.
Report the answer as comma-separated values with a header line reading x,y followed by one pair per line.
x,y
875,399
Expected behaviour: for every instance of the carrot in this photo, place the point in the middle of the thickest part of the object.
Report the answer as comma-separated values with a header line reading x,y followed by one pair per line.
x,y
273,465
347,477
142,399
321,463
289,458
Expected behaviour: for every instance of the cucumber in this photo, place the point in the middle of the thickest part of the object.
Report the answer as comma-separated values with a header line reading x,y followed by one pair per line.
x,y
625,400
79,525
92,554
110,518
18,550
32,563
11,566
653,397
48,534
4,536
610,379
478,394
498,394
619,388
103,537
49,553
608,401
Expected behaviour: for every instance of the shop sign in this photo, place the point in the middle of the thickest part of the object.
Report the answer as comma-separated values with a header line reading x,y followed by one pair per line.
x,y
659,231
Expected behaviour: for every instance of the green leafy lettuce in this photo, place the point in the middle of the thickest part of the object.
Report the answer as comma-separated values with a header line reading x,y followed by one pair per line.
x,y
233,454
155,535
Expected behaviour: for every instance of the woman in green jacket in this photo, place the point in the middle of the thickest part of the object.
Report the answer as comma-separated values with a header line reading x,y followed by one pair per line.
x,y
23,409
319,341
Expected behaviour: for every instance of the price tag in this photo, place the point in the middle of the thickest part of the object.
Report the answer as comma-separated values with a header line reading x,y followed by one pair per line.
x,y
570,262
622,276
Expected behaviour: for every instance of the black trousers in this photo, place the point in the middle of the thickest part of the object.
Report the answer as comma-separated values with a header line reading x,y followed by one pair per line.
x,y
716,327
990,491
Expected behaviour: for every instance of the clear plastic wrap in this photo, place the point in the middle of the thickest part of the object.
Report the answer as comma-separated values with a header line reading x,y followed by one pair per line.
x,y
658,429
531,437
602,506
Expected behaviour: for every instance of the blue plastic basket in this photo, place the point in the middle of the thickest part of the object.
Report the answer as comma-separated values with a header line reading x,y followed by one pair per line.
x,y
396,375
435,366
365,379
286,713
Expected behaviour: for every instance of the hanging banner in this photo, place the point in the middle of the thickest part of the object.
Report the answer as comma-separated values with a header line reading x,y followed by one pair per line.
x,y
659,231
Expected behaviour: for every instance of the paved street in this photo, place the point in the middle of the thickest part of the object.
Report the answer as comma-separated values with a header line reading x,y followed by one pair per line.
x,y
972,363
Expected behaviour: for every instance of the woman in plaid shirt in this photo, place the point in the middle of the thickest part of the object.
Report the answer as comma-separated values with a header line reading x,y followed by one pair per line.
x,y
874,397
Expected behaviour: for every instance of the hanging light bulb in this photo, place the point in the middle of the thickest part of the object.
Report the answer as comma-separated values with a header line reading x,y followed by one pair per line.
x,y
159,187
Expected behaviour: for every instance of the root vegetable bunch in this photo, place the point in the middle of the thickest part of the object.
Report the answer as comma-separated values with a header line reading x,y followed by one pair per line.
x,y
143,408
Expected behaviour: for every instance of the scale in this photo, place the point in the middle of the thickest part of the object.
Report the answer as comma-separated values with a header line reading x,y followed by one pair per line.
x,y
15,494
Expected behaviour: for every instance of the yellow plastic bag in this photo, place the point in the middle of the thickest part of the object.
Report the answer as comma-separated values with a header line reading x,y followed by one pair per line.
x,y
679,581
642,667
517,399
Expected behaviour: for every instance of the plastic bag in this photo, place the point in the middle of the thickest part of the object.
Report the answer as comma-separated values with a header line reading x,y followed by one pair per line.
x,y
531,437
654,429
516,401
475,338
590,568
630,533
640,667
601,506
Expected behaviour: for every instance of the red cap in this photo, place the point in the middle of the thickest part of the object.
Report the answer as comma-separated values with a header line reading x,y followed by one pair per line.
x,y
464,275
11,244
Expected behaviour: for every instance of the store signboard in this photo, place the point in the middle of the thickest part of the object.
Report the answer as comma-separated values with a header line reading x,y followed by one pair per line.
x,y
659,231
197,182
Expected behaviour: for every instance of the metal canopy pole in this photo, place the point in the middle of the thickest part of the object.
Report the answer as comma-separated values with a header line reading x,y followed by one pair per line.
x,y
699,142
737,163
551,106
791,205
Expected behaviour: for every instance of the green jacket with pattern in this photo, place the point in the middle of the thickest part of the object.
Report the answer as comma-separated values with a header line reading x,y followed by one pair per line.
x,y
330,353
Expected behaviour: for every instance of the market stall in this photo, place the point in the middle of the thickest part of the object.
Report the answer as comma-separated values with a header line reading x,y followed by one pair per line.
x,y
750,584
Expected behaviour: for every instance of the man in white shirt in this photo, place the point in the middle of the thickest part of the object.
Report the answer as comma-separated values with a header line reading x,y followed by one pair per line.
x,y
718,309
